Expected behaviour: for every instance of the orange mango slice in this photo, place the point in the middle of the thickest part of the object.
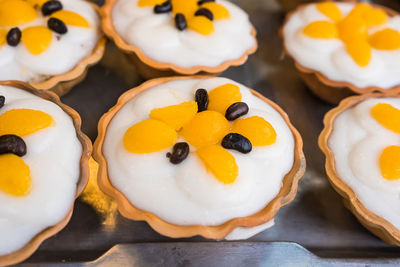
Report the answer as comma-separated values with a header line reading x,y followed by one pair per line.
x,y
186,7
22,122
256,129
145,3
352,27
360,51
149,136
175,116
223,96
206,128
37,39
200,24
389,163
387,115
16,12
321,29
375,17
218,10
15,177
38,3
386,39
330,10
71,18
220,162
3,36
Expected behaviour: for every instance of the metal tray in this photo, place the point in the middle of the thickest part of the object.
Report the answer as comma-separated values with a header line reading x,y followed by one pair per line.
x,y
315,229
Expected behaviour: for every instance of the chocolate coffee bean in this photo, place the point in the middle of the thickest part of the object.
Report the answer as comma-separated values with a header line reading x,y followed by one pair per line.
x,y
204,12
50,7
57,26
2,101
163,8
237,142
201,98
200,2
180,151
14,36
12,144
236,110
180,21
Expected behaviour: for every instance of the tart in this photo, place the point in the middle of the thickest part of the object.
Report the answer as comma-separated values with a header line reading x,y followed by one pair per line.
x,y
199,156
362,148
342,49
43,168
49,44
184,37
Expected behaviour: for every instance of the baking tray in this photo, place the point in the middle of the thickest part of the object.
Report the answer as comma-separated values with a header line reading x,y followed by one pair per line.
x,y
314,230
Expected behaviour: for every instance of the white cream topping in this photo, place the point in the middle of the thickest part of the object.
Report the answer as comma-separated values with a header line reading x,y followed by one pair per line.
x,y
159,39
64,53
53,156
187,194
329,56
357,141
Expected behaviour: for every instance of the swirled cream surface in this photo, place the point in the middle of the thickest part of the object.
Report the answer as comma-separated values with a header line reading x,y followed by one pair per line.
x,y
189,193
43,52
360,47
159,39
360,144
53,161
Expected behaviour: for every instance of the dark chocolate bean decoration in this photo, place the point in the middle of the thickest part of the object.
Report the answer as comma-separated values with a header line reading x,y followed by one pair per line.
x,y
200,2
180,151
163,8
14,36
180,21
12,144
57,26
236,110
50,7
204,12
201,98
237,142
2,101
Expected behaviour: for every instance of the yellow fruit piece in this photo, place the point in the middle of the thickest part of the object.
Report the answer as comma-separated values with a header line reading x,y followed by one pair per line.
x,y
321,29
175,116
223,96
386,39
360,10
71,18
256,129
387,115
36,2
375,17
149,136
16,12
23,122
37,39
389,163
218,10
3,36
186,7
145,3
220,162
15,177
330,10
360,51
352,27
206,128
200,24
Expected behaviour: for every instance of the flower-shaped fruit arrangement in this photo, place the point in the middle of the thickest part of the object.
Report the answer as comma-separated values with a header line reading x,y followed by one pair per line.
x,y
190,14
15,14
210,125
15,124
359,30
